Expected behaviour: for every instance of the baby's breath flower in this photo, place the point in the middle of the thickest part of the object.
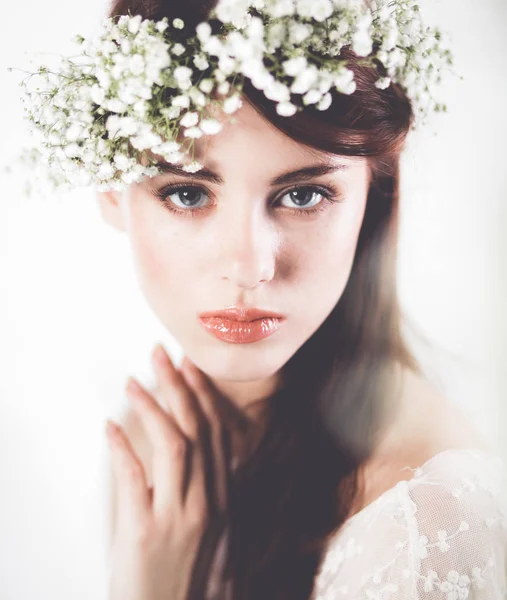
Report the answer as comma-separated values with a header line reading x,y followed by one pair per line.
x,y
210,126
189,119
203,31
178,49
193,167
206,85
286,109
383,83
193,132
232,104
201,63
93,118
325,103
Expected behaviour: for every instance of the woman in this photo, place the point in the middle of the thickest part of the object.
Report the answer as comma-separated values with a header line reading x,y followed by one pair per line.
x,y
321,462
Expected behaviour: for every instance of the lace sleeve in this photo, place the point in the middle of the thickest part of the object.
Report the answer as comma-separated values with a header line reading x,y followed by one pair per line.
x,y
441,535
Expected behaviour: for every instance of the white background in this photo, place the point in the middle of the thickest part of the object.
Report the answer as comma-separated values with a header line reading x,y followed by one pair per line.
x,y
73,323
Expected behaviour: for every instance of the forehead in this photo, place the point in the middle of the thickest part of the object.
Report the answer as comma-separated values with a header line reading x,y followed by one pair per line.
x,y
249,140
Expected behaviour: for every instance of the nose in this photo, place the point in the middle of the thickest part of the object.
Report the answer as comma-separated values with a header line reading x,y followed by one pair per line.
x,y
249,248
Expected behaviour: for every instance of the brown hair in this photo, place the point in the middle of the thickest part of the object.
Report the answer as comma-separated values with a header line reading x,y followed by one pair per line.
x,y
299,485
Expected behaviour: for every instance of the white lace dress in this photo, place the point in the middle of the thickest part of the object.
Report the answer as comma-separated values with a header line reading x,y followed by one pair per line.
x,y
441,535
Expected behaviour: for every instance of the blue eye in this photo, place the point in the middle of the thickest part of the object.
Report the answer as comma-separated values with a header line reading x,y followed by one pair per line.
x,y
303,196
190,196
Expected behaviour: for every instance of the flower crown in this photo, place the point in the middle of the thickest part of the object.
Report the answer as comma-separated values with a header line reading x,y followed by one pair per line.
x,y
141,85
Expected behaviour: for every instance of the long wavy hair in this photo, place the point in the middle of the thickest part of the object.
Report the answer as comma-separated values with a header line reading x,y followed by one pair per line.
x,y
299,486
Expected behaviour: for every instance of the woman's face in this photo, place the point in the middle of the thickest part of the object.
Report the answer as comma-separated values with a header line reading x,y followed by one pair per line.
x,y
249,242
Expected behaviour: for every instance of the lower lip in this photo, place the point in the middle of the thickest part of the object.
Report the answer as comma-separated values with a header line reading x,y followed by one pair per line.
x,y
240,332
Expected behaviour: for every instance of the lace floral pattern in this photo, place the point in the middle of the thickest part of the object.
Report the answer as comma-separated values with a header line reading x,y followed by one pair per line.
x,y
441,535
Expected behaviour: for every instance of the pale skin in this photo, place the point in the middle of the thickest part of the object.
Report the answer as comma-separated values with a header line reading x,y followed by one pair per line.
x,y
247,243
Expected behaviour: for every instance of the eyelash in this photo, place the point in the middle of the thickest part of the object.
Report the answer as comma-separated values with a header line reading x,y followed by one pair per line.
x,y
330,194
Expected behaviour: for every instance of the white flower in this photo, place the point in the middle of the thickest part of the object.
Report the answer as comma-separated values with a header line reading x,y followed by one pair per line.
x,y
201,63
344,80
383,83
362,43
322,9
281,8
278,92
168,147
325,103
105,171
189,119
122,162
134,24
129,126
182,101
232,104
286,109
276,35
224,88
140,108
232,11
74,132
206,85
193,132
298,32
171,112
193,167
295,65
115,105
146,139
129,60
113,125
226,64
203,31
304,81
161,26
210,126
197,97
182,74
126,46
73,150
178,49
312,97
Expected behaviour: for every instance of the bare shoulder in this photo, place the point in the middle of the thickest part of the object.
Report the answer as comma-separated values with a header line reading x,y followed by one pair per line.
x,y
426,423
434,421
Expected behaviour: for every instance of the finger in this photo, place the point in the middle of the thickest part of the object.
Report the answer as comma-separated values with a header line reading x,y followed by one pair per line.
x,y
219,439
176,395
196,503
215,405
133,498
169,450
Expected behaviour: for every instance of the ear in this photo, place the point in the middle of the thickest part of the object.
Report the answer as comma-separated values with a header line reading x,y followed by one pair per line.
x,y
111,209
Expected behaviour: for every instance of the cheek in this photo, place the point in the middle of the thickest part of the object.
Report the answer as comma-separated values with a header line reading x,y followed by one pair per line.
x,y
325,261
160,253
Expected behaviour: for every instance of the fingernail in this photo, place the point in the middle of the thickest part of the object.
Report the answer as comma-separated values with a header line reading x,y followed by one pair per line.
x,y
133,386
160,355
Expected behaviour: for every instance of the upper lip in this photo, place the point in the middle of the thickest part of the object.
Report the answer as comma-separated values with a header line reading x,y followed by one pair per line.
x,y
242,314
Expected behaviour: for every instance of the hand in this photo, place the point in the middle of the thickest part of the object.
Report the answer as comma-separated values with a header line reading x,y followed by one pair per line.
x,y
165,539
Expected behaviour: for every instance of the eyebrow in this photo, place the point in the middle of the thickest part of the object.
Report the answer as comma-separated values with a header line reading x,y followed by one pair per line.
x,y
302,174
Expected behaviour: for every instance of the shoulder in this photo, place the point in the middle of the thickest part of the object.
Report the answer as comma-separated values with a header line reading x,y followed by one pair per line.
x,y
456,524
426,424
443,530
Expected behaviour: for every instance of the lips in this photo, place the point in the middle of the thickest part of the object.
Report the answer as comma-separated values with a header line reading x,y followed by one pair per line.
x,y
240,325
242,314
